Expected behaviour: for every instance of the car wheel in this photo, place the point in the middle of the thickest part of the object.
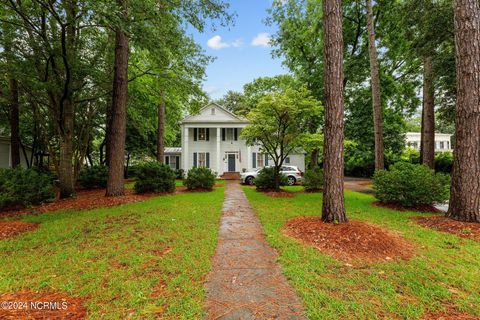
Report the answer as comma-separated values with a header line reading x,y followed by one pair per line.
x,y
249,181
291,180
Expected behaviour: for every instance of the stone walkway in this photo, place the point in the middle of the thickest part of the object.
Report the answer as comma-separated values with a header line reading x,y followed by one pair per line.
x,y
246,282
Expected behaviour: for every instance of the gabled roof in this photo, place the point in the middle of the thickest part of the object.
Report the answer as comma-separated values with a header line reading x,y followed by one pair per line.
x,y
204,115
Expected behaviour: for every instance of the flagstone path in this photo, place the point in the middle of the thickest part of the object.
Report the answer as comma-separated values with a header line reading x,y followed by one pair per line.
x,y
245,281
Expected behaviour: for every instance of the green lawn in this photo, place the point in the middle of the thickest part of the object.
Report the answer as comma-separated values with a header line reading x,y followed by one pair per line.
x,y
445,269
140,260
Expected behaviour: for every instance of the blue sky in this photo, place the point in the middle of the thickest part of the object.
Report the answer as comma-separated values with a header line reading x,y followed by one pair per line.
x,y
242,51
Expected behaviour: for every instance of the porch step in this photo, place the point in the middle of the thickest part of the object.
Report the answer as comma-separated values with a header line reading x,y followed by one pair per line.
x,y
231,175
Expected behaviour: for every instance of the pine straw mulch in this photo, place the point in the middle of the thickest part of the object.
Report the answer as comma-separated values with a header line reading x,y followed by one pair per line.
x,y
9,229
469,230
450,313
398,207
41,305
351,241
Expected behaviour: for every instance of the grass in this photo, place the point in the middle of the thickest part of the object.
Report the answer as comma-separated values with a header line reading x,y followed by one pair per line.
x,y
117,258
444,270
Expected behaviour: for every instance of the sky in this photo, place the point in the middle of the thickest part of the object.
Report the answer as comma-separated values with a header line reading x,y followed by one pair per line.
x,y
242,51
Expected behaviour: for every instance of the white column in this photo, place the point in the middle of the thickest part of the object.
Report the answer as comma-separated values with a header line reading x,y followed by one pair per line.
x,y
219,158
249,158
185,154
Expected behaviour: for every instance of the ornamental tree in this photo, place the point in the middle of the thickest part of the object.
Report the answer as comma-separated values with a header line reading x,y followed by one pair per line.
x,y
278,124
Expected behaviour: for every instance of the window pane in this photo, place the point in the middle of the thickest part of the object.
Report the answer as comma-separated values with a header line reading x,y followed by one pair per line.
x,y
230,134
201,134
201,159
260,162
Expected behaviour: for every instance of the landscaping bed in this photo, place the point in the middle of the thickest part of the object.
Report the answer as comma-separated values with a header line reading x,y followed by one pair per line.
x,y
462,229
9,229
350,241
41,305
398,207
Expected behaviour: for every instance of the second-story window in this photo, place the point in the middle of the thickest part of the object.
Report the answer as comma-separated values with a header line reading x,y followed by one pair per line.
x,y
202,134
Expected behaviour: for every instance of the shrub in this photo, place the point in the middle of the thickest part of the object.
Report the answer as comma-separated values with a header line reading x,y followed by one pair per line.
x,y
154,177
180,174
313,180
199,179
444,162
93,177
410,185
23,187
265,179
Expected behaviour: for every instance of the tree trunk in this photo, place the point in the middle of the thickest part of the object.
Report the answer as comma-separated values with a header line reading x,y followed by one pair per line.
x,y
161,130
314,158
375,83
14,124
465,189
333,199
65,164
117,130
427,145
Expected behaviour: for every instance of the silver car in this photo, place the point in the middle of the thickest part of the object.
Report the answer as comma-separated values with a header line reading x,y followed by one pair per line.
x,y
293,174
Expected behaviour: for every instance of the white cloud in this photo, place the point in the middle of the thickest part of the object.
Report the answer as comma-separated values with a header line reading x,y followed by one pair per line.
x,y
211,89
261,39
216,43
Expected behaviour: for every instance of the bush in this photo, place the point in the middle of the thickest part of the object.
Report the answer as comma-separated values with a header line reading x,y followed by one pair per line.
x,y
313,180
266,179
410,185
199,179
23,187
93,177
154,177
444,162
180,174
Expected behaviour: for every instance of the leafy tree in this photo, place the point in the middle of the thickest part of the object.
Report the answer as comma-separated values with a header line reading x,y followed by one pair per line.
x,y
234,101
277,122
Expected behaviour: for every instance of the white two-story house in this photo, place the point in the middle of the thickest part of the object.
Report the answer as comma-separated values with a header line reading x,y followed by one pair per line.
x,y
212,139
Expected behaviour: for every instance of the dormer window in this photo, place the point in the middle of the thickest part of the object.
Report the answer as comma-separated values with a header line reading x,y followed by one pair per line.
x,y
213,111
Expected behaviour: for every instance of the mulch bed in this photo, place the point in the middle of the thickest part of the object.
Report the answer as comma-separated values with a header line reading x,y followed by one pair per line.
x,y
279,194
351,241
469,230
31,305
84,200
398,207
450,313
9,229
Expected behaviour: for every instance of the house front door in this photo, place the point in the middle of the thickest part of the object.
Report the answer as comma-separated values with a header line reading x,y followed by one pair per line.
x,y
231,162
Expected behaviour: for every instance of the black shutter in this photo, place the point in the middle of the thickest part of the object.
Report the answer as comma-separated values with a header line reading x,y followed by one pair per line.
x,y
266,159
194,134
194,159
177,162
254,160
223,134
207,131
207,155
235,134
167,160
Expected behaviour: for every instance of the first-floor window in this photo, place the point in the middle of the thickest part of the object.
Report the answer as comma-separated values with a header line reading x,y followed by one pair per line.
x,y
442,145
287,160
201,159
173,162
260,160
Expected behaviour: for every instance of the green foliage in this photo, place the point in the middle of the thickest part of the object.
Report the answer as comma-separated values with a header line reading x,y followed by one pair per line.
x,y
410,185
444,162
180,173
93,177
313,179
265,179
23,187
200,178
155,177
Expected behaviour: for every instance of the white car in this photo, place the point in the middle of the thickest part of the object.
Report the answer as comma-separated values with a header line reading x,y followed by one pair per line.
x,y
293,174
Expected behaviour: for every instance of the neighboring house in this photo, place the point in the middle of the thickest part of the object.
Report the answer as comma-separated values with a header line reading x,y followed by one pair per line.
x,y
443,141
212,139
5,156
